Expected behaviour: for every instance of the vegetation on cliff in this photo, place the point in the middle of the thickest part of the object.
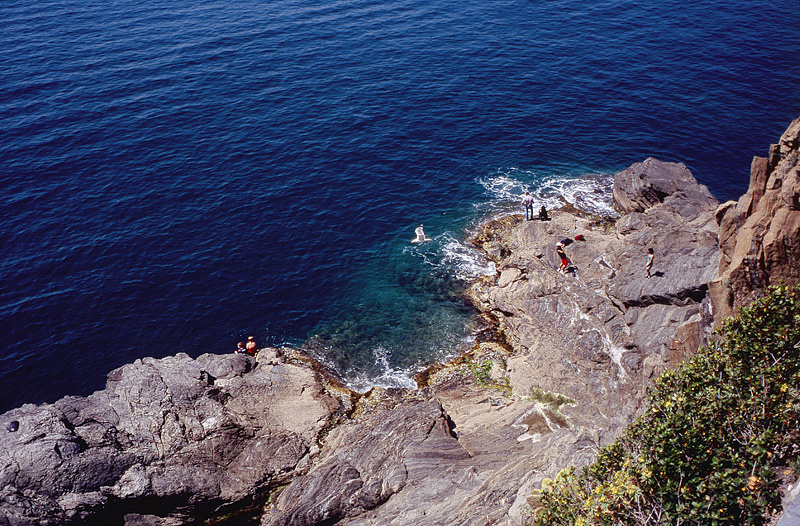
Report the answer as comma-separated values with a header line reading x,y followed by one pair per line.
x,y
719,435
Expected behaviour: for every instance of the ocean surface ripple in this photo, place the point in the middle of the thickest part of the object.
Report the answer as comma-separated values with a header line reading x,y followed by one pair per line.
x,y
177,175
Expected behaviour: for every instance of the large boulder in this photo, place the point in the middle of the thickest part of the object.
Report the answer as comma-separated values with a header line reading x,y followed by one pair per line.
x,y
760,234
652,182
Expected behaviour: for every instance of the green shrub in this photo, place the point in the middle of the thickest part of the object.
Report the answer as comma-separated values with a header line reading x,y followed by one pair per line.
x,y
707,448
483,377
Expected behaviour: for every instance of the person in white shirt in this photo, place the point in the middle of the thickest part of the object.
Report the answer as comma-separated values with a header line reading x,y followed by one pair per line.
x,y
528,202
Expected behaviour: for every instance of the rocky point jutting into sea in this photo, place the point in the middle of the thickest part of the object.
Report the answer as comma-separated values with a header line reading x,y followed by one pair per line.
x,y
559,370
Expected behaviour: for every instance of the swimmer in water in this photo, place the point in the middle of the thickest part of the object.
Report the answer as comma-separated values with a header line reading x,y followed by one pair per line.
x,y
420,235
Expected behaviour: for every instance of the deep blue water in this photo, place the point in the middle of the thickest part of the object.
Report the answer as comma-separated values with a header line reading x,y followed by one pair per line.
x,y
177,175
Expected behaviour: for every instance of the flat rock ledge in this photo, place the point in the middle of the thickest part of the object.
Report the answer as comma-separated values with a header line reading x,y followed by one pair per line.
x,y
559,371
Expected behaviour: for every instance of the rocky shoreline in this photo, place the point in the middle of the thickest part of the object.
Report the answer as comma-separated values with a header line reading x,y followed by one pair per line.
x,y
561,368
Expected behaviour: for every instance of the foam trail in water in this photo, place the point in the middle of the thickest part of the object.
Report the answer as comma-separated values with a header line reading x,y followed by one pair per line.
x,y
504,186
466,263
448,254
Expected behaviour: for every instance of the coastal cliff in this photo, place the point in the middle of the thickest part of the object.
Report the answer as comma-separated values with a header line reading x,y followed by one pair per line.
x,y
760,233
559,370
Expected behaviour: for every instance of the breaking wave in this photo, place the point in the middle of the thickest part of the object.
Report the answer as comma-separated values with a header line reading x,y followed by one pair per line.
x,y
591,192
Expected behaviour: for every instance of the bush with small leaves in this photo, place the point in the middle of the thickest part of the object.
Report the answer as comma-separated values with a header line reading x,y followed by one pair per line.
x,y
707,448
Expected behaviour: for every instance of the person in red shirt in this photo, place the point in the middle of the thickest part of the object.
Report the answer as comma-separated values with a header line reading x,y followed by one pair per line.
x,y
563,255
251,346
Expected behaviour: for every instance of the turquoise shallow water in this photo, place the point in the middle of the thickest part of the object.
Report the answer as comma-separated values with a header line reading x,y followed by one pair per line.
x,y
178,175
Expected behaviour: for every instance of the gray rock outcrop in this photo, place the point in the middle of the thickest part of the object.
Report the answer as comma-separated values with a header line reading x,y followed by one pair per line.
x,y
760,234
561,375
557,373
174,437
606,315
648,184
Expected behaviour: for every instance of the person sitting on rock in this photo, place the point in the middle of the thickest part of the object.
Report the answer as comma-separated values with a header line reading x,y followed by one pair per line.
x,y
563,255
240,348
543,213
251,346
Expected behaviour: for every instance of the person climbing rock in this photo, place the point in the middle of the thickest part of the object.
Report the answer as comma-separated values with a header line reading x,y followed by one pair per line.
x,y
563,255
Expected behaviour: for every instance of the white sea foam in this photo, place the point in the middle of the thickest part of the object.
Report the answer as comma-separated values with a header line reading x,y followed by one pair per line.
x,y
504,186
466,262
387,377
590,192
454,256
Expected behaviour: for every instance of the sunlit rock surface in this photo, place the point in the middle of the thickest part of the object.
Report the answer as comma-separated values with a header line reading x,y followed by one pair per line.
x,y
760,234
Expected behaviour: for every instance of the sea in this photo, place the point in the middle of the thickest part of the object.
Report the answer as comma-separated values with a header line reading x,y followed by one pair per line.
x,y
178,175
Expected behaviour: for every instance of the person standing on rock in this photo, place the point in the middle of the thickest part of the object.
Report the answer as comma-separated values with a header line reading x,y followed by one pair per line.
x,y
528,202
251,346
649,264
563,255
